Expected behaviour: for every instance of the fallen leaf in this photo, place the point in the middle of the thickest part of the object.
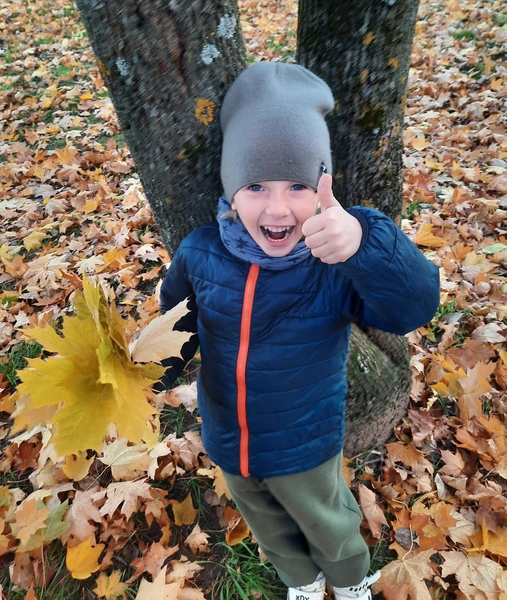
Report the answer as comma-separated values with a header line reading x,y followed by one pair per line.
x,y
197,541
152,560
237,528
475,574
425,237
110,587
159,340
126,493
412,572
159,589
489,333
371,510
92,381
82,560
184,512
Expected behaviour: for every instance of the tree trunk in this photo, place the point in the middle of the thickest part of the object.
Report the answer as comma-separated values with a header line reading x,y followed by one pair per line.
x,y
379,384
167,65
362,49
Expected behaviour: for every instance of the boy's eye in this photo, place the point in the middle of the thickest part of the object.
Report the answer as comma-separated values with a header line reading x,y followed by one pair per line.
x,y
255,187
298,187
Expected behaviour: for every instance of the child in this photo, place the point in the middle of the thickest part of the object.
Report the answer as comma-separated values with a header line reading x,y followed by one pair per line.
x,y
274,285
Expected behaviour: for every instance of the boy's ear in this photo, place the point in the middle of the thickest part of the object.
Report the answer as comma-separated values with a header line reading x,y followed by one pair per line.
x,y
233,204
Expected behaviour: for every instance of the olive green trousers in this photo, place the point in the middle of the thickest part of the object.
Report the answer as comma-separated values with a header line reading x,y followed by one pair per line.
x,y
305,523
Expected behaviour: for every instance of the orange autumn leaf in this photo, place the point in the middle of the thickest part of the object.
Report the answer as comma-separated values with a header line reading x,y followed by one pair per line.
x,y
425,237
30,518
410,456
152,560
237,528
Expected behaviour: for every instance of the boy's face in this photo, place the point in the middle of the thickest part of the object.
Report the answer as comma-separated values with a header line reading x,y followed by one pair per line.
x,y
273,213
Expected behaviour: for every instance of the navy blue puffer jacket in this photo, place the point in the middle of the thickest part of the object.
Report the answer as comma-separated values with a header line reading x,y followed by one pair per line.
x,y
274,344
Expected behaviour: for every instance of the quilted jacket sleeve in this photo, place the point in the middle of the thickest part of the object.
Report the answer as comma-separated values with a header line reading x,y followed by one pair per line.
x,y
176,288
396,288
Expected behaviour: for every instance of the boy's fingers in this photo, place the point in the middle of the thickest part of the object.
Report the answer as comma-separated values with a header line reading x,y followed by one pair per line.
x,y
325,192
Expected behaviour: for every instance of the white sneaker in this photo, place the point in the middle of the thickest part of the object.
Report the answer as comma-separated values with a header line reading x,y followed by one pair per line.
x,y
359,591
313,591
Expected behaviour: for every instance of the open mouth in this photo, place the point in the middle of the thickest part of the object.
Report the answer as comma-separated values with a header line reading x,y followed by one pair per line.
x,y
277,234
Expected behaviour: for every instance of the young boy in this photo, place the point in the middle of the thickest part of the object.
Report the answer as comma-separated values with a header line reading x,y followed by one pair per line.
x,y
274,285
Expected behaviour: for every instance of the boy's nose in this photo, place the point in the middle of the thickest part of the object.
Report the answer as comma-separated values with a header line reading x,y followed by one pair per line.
x,y
278,205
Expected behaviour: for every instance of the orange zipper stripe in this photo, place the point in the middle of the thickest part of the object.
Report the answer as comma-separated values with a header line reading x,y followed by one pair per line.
x,y
244,343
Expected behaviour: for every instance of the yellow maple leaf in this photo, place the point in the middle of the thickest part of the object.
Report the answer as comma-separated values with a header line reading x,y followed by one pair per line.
x,y
184,512
34,240
82,560
110,587
92,379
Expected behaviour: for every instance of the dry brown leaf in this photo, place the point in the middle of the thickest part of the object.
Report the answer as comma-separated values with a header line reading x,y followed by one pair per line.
x,y
371,510
197,541
183,569
475,574
410,457
158,340
151,561
159,589
237,528
128,493
412,572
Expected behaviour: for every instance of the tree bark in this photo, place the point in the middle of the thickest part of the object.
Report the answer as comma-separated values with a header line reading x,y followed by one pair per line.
x,y
379,381
362,49
167,65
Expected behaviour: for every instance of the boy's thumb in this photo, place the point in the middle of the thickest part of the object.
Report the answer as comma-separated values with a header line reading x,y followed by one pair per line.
x,y
325,192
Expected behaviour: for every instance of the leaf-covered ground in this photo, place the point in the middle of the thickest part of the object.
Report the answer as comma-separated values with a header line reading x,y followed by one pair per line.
x,y
71,205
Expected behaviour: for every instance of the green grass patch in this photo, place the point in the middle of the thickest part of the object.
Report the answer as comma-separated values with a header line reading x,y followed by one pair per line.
x,y
380,553
16,360
8,57
500,19
47,117
413,207
45,40
119,138
62,70
176,420
245,577
463,34
56,144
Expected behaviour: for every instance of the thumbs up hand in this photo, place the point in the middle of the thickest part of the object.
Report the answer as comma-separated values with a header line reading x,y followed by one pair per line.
x,y
334,235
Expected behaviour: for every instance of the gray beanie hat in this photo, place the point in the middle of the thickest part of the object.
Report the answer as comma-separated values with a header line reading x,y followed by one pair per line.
x,y
273,127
